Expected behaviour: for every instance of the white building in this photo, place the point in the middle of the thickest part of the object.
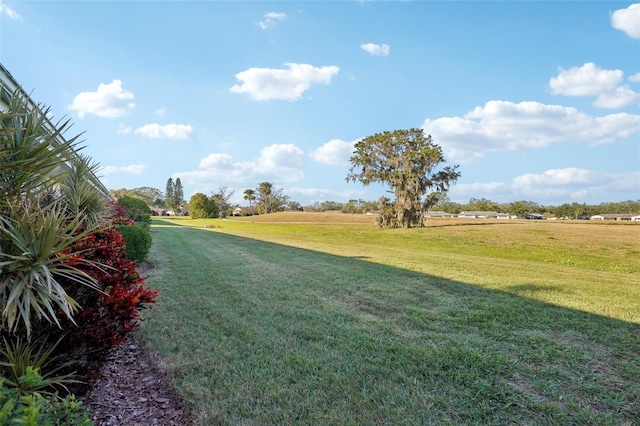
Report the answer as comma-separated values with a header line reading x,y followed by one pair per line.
x,y
439,214
617,216
484,215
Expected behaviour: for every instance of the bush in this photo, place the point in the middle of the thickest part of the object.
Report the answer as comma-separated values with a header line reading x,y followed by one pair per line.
x,y
146,220
105,317
29,407
201,207
137,241
134,208
108,316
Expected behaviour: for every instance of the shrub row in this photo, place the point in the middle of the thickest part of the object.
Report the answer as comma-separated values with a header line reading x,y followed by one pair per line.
x,y
106,315
110,314
137,239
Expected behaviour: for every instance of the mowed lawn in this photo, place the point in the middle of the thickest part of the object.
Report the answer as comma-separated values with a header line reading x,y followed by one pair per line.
x,y
315,322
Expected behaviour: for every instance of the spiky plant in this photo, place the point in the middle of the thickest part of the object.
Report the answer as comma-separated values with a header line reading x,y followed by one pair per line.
x,y
33,155
19,356
79,193
36,250
41,217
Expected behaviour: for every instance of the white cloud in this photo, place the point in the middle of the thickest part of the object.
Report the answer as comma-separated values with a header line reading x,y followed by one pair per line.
x,y
272,19
12,14
609,127
217,161
334,152
635,78
587,80
110,100
508,126
554,185
278,163
590,80
620,182
135,169
161,111
491,190
575,183
167,131
376,49
617,98
558,177
627,20
282,158
124,130
288,84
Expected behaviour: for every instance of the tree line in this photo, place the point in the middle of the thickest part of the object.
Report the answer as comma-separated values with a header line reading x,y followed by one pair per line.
x,y
572,210
410,164
264,199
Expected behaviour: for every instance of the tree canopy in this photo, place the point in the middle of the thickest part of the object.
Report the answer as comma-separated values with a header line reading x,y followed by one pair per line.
x,y
133,207
270,200
174,194
168,193
410,163
221,198
250,195
151,196
201,206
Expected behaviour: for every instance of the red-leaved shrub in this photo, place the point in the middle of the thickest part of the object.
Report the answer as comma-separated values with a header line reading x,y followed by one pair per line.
x,y
105,318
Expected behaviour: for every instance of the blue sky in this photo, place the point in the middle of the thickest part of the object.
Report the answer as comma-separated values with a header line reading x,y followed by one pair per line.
x,y
534,100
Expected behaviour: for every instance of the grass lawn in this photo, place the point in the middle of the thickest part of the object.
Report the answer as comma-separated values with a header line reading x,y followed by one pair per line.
x,y
318,322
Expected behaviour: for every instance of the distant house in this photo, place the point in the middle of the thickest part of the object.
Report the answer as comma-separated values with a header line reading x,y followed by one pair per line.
x,y
439,214
534,216
484,215
156,211
617,216
244,211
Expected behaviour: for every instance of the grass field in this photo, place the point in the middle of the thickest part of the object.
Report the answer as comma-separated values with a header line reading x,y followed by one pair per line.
x,y
283,319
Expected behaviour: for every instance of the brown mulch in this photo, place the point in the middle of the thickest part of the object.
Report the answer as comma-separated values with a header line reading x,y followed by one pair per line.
x,y
132,390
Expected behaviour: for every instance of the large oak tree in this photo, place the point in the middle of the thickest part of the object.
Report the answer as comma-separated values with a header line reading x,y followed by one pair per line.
x,y
411,165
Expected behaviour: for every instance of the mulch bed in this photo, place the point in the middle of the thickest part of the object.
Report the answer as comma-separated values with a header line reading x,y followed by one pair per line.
x,y
132,390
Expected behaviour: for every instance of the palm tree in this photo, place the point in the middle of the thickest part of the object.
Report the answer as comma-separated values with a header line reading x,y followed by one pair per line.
x,y
264,194
250,195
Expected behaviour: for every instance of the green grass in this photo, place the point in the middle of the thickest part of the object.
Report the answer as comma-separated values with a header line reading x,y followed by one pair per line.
x,y
347,324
